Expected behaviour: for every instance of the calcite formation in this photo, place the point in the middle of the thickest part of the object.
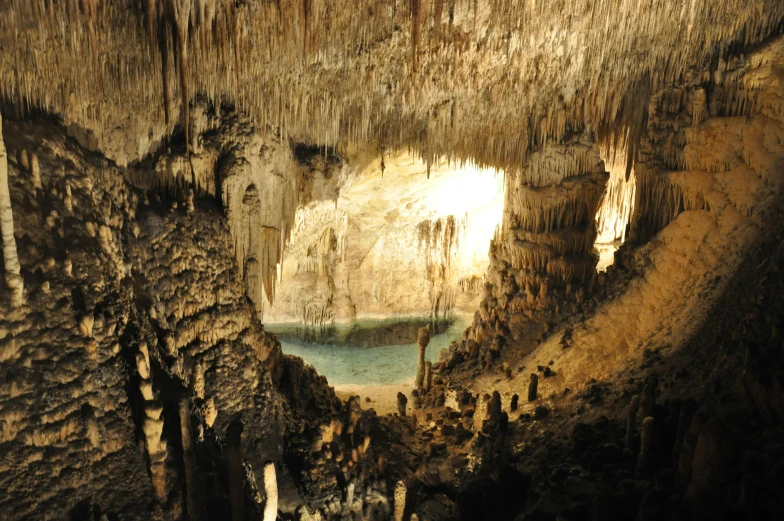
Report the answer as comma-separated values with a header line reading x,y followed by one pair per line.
x,y
175,172
391,75
13,279
142,331
409,242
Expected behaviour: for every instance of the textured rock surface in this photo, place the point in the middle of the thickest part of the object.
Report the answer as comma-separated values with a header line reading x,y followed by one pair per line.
x,y
130,307
408,240
484,81
136,379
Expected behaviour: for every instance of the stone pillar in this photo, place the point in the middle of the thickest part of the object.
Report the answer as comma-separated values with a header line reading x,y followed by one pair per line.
x,y
271,491
400,501
646,444
545,243
13,277
631,420
532,387
402,401
423,339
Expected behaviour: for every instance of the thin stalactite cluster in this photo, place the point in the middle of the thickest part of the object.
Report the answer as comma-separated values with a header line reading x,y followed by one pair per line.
x,y
480,81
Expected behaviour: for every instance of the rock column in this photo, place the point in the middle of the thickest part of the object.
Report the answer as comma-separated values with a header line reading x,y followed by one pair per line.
x,y
13,277
271,490
423,339
545,244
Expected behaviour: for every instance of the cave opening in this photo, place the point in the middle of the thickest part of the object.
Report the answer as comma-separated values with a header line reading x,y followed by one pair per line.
x,y
395,251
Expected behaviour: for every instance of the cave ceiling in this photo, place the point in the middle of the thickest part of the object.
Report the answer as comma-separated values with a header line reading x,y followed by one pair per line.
x,y
485,81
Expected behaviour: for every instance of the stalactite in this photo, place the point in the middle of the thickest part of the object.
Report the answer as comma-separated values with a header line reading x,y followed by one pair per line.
x,y
492,64
181,11
163,48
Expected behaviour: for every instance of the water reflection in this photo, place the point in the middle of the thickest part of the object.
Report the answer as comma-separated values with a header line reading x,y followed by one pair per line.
x,y
370,352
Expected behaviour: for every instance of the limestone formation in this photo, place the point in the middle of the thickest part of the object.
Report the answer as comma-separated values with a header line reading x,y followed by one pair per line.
x,y
428,375
68,199
712,464
270,492
532,387
686,459
13,278
86,325
646,444
197,380
399,501
193,500
236,471
423,339
35,171
341,155
402,401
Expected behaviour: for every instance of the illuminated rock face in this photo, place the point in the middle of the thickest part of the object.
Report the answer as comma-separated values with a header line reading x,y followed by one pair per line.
x,y
544,251
401,242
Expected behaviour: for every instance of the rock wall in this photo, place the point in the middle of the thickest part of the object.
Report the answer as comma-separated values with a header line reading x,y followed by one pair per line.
x,y
259,179
408,239
67,423
115,367
544,252
708,178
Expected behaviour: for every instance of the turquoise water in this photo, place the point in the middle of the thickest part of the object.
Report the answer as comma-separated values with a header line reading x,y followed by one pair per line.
x,y
375,365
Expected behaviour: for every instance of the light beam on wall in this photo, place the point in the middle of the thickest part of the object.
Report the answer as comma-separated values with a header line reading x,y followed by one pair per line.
x,y
615,211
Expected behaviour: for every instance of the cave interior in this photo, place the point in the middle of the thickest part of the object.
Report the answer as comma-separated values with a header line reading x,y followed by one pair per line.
x,y
405,260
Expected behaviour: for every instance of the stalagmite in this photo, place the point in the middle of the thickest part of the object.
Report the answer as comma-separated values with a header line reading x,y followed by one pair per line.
x,y
35,171
684,420
400,501
423,339
402,401
686,457
514,402
13,277
646,444
428,375
271,491
532,387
